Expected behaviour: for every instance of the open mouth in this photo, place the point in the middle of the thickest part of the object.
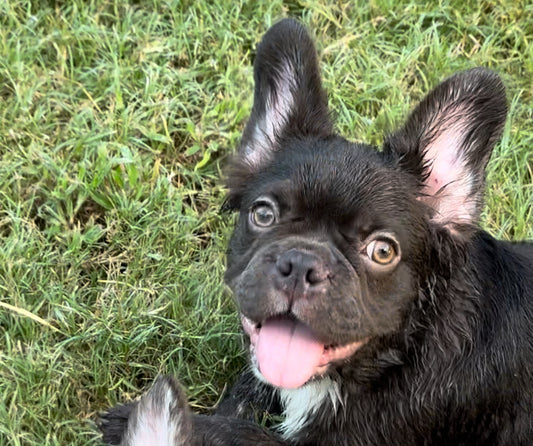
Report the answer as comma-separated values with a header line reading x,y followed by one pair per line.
x,y
287,352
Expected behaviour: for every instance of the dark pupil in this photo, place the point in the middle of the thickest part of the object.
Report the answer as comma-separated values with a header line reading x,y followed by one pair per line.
x,y
263,216
383,251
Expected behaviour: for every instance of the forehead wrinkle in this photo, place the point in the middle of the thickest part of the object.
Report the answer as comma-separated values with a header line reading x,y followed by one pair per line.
x,y
341,188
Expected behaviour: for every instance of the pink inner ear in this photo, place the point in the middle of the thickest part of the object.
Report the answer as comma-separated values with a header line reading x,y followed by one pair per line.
x,y
445,166
449,185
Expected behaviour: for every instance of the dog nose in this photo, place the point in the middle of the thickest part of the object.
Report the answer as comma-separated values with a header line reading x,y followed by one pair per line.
x,y
300,268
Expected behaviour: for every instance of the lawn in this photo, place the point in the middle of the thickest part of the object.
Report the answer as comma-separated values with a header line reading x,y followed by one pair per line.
x,y
116,119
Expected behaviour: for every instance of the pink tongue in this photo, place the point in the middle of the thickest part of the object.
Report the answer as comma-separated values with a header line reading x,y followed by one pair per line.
x,y
287,352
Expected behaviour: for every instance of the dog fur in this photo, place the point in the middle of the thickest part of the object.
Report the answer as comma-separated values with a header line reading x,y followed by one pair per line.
x,y
427,319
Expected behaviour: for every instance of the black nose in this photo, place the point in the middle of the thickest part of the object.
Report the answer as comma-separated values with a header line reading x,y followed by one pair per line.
x,y
297,268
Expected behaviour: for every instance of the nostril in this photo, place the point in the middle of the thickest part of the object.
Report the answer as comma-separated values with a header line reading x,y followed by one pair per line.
x,y
284,267
316,275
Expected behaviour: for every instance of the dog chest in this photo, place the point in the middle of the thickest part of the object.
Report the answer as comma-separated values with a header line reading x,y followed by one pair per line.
x,y
301,405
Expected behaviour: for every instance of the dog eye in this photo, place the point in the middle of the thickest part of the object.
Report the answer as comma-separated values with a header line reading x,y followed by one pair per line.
x,y
263,215
381,251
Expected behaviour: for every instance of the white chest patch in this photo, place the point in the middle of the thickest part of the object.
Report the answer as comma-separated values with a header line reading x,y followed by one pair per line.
x,y
301,405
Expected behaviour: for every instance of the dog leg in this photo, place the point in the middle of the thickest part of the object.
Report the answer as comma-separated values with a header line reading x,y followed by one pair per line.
x,y
229,431
162,418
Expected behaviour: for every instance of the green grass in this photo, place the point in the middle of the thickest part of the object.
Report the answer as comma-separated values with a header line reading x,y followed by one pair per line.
x,y
115,121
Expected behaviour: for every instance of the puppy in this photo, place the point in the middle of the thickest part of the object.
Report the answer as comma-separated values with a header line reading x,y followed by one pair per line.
x,y
376,309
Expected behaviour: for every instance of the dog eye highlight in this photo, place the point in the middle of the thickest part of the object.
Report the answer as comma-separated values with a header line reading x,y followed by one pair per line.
x,y
263,215
382,251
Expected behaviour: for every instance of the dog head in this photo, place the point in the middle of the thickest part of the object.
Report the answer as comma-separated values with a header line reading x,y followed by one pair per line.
x,y
335,240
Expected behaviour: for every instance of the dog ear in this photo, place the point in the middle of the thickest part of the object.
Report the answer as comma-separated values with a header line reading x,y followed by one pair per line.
x,y
288,97
161,418
447,141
